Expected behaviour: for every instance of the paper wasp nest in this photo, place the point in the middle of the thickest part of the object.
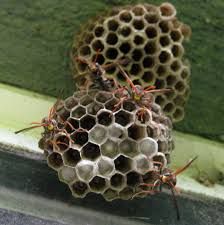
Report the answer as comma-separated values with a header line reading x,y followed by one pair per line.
x,y
152,38
107,152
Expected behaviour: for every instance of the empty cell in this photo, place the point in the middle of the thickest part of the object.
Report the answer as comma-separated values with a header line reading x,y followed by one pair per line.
x,y
164,40
180,86
186,31
85,50
55,160
151,18
105,166
129,148
164,57
150,47
126,193
138,11
162,146
129,105
138,24
160,157
137,54
111,53
160,100
164,26
135,69
185,73
103,97
179,100
169,108
100,58
78,112
70,103
86,100
98,134
110,194
125,31
142,163
148,62
117,181
97,44
160,84
80,137
109,148
123,164
97,184
177,50
137,82
116,131
99,31
148,76
143,115
79,189
175,66
111,105
94,107
85,170
138,40
133,179
167,11
175,35
71,157
61,142
91,151
148,147
125,16
71,125
151,32
162,70
105,118
178,114
67,174
111,38
125,47
152,131
123,118
171,80
136,132
88,38
112,25
87,122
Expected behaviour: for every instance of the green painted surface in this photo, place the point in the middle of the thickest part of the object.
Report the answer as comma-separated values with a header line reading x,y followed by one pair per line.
x,y
36,36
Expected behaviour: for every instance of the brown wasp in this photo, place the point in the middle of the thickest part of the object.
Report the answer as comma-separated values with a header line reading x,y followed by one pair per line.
x,y
166,176
97,73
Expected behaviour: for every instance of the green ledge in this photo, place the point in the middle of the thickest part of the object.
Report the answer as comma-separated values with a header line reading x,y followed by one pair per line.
x,y
21,107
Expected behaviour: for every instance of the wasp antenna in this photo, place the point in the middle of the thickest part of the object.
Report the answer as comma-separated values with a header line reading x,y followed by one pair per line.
x,y
27,129
175,203
97,55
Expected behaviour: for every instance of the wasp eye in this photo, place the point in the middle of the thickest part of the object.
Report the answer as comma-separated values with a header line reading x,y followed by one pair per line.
x,y
50,127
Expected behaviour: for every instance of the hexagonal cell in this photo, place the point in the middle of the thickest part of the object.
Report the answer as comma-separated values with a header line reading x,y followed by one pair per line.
x,y
164,57
123,164
152,131
71,124
79,189
97,44
70,103
123,118
80,137
167,11
148,147
54,160
125,16
79,94
61,142
112,25
133,179
98,184
103,97
111,38
116,131
129,148
126,193
109,148
129,105
85,170
111,104
105,166
150,47
151,17
151,32
99,31
87,122
86,100
160,157
91,151
98,134
142,163
136,132
110,194
71,157
176,35
117,181
67,174
105,117
78,112
94,108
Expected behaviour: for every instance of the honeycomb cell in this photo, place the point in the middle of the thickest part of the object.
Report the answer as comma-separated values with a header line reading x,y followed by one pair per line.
x,y
177,50
98,134
117,181
164,41
87,122
71,157
111,53
97,184
151,32
99,31
91,151
142,163
162,146
79,189
105,166
137,55
126,193
129,148
123,164
103,97
135,69
138,24
164,57
94,107
171,80
105,118
150,47
80,137
67,174
176,35
85,50
112,104
148,147
63,114
111,38
70,103
85,170
148,62
129,105
123,118
71,124
109,148
138,10
160,157
169,108
152,18
110,194
136,132
125,16
86,100
117,132
139,40
167,11
178,114
54,160
61,142
97,44
125,31
125,47
180,86
112,25
152,131
164,26
133,179
148,76
78,112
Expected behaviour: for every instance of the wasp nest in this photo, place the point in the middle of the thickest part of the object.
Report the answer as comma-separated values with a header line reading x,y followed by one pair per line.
x,y
152,38
106,151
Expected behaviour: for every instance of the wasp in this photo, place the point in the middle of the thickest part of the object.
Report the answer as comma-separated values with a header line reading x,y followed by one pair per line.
x,y
166,176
